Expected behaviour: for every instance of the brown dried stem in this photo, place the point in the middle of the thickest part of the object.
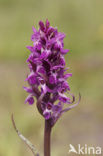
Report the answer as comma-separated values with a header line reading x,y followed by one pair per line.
x,y
25,140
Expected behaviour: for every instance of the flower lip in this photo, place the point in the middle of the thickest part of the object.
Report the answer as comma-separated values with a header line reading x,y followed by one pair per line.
x,y
47,114
29,99
32,78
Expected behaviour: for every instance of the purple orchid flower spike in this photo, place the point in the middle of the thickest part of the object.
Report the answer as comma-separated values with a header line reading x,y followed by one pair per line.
x,y
48,77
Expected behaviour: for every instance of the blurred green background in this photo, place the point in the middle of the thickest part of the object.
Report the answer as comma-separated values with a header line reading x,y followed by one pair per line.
x,y
82,22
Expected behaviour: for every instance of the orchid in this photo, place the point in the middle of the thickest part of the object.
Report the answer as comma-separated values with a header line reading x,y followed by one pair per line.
x,y
48,75
47,79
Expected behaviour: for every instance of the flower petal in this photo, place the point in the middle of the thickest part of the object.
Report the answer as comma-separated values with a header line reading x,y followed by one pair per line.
x,y
28,89
30,100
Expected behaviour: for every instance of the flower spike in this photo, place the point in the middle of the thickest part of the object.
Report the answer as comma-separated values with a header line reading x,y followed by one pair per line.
x,y
48,76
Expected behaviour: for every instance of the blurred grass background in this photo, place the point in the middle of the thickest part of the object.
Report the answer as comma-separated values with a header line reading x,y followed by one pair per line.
x,y
82,22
